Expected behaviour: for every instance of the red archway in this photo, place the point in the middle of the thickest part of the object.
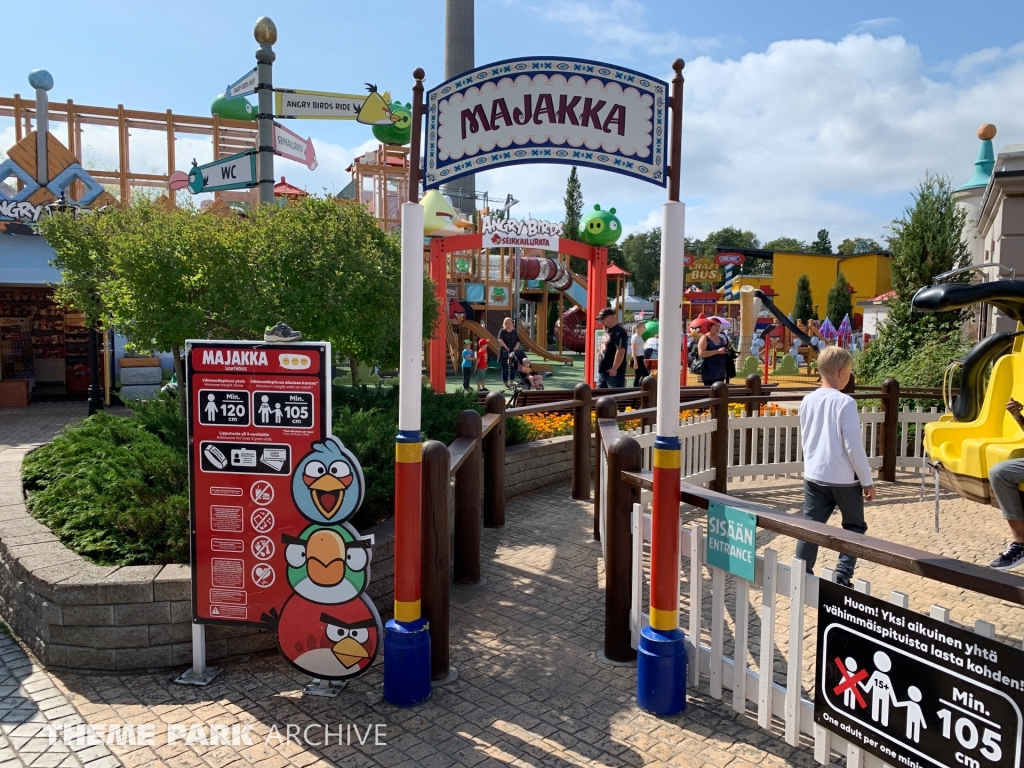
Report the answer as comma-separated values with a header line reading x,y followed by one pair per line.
x,y
597,295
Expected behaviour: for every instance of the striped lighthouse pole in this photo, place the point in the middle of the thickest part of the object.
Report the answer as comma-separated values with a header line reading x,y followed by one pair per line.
x,y
661,655
407,636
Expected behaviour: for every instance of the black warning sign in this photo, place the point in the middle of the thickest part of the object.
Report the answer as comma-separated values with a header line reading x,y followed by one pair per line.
x,y
912,690
285,410
248,458
224,406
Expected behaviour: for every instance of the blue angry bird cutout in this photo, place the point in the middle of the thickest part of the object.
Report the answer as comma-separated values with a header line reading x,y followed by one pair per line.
x,y
328,484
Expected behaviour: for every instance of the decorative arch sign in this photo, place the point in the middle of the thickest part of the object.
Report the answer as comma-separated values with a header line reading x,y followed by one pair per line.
x,y
552,110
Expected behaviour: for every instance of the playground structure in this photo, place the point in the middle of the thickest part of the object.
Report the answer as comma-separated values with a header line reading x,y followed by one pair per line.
x,y
228,137
481,280
980,432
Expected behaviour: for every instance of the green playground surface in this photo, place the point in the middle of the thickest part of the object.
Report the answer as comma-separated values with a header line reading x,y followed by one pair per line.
x,y
562,376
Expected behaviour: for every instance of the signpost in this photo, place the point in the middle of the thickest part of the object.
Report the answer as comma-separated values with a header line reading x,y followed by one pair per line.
x,y
232,172
271,491
553,110
731,540
289,144
913,690
243,86
316,105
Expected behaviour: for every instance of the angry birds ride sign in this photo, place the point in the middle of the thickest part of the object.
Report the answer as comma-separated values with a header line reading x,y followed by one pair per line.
x,y
272,493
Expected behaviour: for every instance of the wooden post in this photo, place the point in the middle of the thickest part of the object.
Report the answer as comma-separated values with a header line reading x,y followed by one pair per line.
x,y
435,572
494,464
720,437
582,441
123,154
851,385
649,386
416,137
607,408
623,456
467,503
890,425
753,388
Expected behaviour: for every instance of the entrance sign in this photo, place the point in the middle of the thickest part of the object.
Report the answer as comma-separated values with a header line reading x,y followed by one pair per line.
x,y
243,86
289,144
731,540
555,110
233,172
519,227
912,690
317,105
271,493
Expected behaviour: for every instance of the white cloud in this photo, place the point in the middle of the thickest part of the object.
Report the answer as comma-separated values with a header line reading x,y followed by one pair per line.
x,y
804,135
874,25
620,29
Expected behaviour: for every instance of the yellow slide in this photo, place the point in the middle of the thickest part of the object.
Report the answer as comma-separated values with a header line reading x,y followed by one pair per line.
x,y
967,450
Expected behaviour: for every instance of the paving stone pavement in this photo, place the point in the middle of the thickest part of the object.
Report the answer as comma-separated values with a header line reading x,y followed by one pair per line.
x,y
530,691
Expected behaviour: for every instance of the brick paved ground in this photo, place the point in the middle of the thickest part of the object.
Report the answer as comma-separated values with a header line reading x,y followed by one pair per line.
x,y
531,691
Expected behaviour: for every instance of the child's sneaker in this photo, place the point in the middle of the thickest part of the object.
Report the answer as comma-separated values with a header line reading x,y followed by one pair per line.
x,y
1011,558
281,333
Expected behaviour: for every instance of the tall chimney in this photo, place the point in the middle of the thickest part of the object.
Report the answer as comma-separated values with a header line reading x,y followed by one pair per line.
x,y
459,58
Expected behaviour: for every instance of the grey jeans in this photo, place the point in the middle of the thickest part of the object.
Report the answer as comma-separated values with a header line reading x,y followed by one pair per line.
x,y
1004,478
820,501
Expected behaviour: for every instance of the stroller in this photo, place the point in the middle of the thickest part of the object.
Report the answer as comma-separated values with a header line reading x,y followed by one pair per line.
x,y
524,379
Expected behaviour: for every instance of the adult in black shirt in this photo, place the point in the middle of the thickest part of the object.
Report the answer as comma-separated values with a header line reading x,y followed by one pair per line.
x,y
508,342
611,362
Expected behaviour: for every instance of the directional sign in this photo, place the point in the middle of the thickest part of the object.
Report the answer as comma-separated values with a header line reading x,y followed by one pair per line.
x,y
317,105
234,172
243,86
289,144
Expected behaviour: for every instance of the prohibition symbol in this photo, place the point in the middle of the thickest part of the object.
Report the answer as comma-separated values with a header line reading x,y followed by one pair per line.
x,y
262,549
262,492
262,575
262,520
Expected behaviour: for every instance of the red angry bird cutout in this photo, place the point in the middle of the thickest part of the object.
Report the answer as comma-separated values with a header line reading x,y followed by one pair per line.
x,y
456,312
329,642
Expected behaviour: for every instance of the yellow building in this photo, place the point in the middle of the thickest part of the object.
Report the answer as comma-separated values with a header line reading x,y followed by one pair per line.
x,y
867,273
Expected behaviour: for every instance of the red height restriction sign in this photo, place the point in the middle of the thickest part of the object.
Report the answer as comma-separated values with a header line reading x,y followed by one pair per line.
x,y
254,410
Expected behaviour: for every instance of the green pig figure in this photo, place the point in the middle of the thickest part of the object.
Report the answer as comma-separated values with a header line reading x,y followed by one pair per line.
x,y
600,227
232,109
399,133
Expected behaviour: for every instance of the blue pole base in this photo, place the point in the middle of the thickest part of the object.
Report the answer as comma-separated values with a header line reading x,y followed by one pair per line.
x,y
406,662
661,671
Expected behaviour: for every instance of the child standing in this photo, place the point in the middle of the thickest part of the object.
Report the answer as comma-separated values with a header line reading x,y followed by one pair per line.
x,y
481,365
468,362
836,470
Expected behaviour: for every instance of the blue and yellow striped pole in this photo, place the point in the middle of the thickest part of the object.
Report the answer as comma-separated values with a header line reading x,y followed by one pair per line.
x,y
661,655
407,636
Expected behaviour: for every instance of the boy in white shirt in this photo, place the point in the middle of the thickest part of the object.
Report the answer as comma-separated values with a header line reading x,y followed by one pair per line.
x,y
836,470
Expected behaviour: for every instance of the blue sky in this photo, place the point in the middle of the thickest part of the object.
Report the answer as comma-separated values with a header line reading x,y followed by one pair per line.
x,y
799,115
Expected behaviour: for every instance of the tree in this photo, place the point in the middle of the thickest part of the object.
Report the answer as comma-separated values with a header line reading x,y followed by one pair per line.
x,y
839,304
803,304
643,258
823,244
728,237
573,207
925,242
848,246
160,277
573,212
785,244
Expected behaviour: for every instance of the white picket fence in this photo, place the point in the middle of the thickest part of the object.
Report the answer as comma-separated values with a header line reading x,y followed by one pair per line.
x,y
775,449
722,672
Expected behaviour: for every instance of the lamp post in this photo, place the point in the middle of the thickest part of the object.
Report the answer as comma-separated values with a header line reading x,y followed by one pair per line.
x,y
266,35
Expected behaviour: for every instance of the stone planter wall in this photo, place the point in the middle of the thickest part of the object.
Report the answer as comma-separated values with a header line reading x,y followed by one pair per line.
x,y
74,614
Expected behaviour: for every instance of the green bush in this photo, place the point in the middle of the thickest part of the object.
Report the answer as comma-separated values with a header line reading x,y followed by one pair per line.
x,y
115,490
518,430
